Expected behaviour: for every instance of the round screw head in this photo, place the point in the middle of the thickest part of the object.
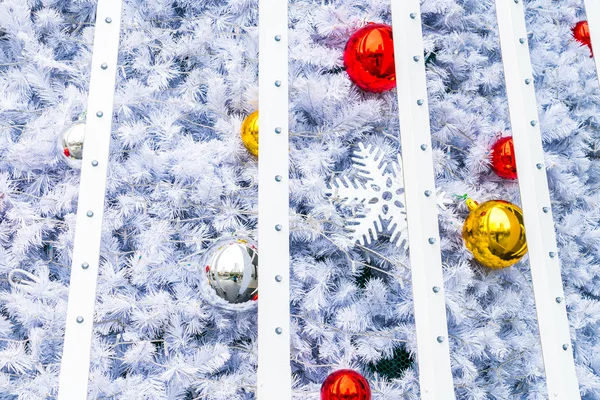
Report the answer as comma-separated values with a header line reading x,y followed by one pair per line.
x,y
278,38
278,178
79,319
90,214
527,81
522,40
436,289
427,193
413,15
533,123
559,300
99,114
538,166
278,331
552,254
108,20
104,66
423,147
565,347
278,130
440,339
85,265
545,210
278,278
278,83
416,58
420,102
94,163
431,240
278,227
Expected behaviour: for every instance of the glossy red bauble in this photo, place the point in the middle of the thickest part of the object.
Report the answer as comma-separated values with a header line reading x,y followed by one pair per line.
x,y
345,384
581,33
502,158
369,58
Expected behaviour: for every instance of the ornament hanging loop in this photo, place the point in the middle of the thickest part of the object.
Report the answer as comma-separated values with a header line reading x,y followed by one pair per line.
x,y
472,204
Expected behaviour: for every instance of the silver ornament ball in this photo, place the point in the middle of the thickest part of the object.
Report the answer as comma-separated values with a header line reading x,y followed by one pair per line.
x,y
232,269
72,141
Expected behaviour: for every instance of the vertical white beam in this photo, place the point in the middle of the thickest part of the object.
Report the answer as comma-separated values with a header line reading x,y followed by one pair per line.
x,y
86,253
592,10
553,324
435,375
274,371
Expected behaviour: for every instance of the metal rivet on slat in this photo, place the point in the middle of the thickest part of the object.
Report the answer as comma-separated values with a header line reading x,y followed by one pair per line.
x,y
278,178
413,15
427,193
79,319
552,254
99,114
278,278
90,214
278,227
516,1
278,38
94,163
440,339
565,347
522,40
436,289
559,300
85,265
278,331
416,58
431,240
533,123
420,102
545,210
278,130
527,81
278,83
108,20
423,147
538,166
104,66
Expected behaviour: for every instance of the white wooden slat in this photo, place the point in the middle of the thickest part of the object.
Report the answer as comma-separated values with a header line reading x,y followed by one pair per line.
x,y
274,371
86,253
435,375
553,324
592,10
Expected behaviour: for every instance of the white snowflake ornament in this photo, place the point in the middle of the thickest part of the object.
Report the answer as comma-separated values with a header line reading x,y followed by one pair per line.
x,y
376,197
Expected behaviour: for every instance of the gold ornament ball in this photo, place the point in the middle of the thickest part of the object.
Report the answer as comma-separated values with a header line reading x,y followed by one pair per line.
x,y
250,133
494,233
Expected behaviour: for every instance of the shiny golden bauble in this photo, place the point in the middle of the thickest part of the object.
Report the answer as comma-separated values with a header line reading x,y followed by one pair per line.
x,y
250,133
494,233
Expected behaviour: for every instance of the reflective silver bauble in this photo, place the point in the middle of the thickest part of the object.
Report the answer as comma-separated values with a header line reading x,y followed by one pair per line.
x,y
72,141
232,269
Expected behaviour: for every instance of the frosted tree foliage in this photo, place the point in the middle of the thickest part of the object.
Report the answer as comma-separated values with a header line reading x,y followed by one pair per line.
x,y
180,178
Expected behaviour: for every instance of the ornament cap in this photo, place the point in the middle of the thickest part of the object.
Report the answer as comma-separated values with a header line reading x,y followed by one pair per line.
x,y
472,204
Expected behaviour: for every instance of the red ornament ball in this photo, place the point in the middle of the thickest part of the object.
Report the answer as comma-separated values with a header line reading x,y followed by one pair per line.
x,y
581,33
345,384
369,58
503,158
